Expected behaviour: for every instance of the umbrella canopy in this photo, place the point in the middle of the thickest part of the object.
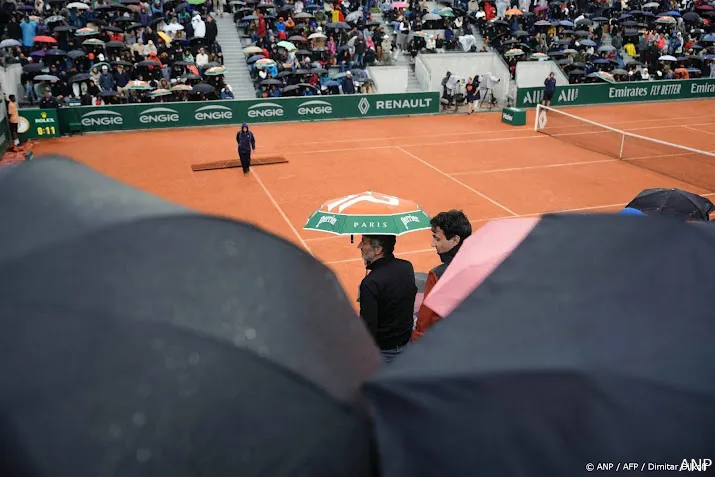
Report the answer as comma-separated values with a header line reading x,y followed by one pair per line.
x,y
215,71
44,39
252,49
160,92
369,213
171,355
673,203
9,43
138,85
181,87
574,347
480,254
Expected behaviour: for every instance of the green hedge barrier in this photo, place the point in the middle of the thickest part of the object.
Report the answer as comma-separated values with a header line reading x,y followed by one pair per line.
x,y
630,92
221,113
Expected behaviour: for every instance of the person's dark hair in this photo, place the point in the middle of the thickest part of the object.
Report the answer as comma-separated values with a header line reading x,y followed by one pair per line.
x,y
11,98
387,242
452,222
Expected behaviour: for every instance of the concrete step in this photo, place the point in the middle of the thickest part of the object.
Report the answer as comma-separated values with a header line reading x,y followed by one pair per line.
x,y
237,74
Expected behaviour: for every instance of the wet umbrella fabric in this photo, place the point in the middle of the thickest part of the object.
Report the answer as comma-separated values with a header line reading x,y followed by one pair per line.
x,y
592,342
166,343
673,203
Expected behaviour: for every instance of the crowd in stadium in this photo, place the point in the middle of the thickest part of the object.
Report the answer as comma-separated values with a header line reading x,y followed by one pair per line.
x,y
128,52
294,46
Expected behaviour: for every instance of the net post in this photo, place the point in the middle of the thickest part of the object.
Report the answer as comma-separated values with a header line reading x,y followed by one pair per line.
x,y
623,142
536,118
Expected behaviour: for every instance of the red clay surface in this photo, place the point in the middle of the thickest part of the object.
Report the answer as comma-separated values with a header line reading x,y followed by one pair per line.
x,y
477,164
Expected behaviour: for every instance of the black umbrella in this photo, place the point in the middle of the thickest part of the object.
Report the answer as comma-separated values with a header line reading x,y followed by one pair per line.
x,y
121,62
270,81
203,88
76,54
79,77
590,343
147,63
114,44
198,346
33,67
56,52
62,28
673,203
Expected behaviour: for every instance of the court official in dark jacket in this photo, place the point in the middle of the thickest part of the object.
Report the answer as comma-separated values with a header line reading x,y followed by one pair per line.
x,y
387,295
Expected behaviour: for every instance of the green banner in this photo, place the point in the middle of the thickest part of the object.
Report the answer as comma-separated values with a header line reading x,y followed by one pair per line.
x,y
38,123
221,113
635,91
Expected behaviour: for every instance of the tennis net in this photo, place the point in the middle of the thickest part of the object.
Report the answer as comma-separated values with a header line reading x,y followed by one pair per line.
x,y
683,163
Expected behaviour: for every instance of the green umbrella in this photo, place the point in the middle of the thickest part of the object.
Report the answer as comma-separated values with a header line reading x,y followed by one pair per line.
x,y
287,45
215,71
369,213
446,13
196,2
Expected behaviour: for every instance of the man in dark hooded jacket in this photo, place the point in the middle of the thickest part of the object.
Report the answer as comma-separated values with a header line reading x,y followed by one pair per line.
x,y
449,230
246,144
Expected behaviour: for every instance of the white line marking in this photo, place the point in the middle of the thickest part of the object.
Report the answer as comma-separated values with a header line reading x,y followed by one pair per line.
x,y
525,168
358,149
280,211
457,181
481,131
699,130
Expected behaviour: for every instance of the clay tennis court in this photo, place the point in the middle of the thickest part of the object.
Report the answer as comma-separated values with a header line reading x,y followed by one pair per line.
x,y
477,164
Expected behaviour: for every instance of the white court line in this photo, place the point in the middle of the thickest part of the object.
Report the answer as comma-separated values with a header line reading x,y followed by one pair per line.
x,y
357,149
457,181
280,211
699,130
526,168
481,131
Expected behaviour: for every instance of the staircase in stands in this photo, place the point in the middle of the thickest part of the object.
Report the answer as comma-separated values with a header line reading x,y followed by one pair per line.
x,y
234,59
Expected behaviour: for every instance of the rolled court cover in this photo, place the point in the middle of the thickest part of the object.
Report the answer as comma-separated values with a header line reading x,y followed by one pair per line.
x,y
230,163
141,339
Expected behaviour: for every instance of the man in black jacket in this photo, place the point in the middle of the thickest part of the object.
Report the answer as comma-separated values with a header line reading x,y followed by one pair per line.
x,y
246,144
387,295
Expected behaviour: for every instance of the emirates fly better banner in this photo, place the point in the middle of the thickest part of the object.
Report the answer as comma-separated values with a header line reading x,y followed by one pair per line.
x,y
628,92
220,113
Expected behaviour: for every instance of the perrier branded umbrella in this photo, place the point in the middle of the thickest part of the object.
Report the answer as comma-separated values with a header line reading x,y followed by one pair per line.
x,y
368,213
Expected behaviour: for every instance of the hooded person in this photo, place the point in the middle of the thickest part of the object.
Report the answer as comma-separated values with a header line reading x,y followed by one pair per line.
x,y
246,144
449,230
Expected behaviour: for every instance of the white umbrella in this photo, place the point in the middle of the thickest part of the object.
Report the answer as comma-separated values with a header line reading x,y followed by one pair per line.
x,y
352,17
317,36
9,43
651,5
173,27
429,17
667,58
252,49
78,6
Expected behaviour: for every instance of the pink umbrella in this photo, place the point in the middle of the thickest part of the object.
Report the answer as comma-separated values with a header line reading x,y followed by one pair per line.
x,y
541,8
480,255
399,5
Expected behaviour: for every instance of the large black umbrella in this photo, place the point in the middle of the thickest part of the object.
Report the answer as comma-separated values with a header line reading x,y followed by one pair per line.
x,y
590,343
673,203
142,339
